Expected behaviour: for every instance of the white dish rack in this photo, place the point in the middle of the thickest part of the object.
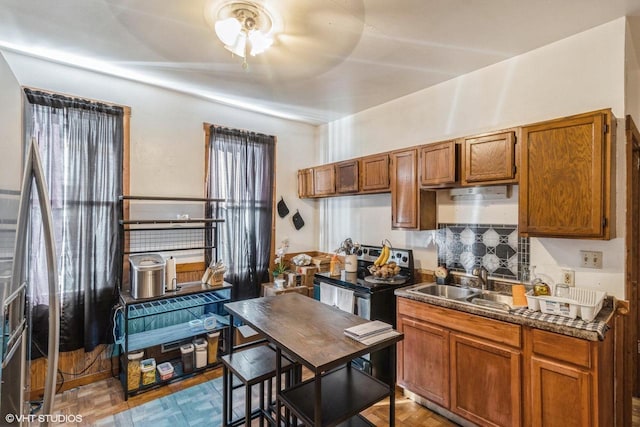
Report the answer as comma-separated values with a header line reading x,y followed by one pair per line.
x,y
583,303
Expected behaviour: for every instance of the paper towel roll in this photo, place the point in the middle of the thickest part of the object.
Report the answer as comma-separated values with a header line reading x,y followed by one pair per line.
x,y
170,271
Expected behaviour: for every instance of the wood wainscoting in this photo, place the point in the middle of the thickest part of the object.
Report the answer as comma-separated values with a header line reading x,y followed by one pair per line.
x,y
76,368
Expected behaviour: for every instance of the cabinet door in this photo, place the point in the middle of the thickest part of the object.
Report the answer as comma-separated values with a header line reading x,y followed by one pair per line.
x,y
423,359
347,177
438,164
411,208
324,180
560,394
305,183
485,381
566,182
489,159
374,173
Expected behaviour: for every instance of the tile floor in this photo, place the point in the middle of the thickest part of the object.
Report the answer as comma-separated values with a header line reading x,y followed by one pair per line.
x,y
102,404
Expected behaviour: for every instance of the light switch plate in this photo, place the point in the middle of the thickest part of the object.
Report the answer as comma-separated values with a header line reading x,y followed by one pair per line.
x,y
591,259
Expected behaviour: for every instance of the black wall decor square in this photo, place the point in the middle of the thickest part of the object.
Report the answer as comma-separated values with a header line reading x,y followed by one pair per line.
x,y
497,247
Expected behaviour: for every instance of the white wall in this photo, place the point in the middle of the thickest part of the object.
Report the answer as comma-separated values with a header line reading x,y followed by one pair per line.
x,y
10,129
167,136
582,73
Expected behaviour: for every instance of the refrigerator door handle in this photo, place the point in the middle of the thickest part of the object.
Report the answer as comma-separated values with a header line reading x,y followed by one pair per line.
x,y
33,172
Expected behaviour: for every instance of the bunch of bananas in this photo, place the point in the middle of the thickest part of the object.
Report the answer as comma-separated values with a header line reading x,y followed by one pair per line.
x,y
381,268
384,256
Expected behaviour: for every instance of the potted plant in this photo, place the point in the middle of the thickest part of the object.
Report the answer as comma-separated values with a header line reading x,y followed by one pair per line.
x,y
280,267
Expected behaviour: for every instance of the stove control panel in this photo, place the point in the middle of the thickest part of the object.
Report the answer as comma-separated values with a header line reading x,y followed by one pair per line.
x,y
402,257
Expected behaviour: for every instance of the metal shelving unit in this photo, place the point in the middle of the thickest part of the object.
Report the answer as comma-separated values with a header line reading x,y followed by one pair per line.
x,y
168,235
160,325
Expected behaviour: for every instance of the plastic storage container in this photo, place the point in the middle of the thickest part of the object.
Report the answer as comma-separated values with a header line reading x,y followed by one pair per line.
x,y
133,370
209,322
200,345
187,358
165,370
212,347
583,303
148,369
195,324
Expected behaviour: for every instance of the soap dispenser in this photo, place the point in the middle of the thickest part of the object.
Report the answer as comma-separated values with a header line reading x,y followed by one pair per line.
x,y
334,266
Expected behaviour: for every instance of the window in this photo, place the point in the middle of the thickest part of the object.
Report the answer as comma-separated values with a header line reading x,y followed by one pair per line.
x,y
240,169
82,144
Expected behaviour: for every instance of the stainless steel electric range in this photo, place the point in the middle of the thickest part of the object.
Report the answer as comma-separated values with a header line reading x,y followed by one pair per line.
x,y
374,298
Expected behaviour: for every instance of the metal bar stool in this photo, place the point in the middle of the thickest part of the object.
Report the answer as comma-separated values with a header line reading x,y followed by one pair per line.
x,y
255,365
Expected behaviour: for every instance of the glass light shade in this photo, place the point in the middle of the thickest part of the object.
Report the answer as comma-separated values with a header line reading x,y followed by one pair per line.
x,y
259,42
228,30
238,47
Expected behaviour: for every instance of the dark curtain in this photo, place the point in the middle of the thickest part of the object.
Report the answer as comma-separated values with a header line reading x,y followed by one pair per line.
x,y
242,172
81,144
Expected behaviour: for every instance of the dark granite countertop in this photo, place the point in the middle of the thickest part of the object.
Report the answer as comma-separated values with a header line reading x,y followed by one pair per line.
x,y
604,315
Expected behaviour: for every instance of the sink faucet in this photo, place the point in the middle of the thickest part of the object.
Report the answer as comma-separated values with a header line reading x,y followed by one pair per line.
x,y
481,273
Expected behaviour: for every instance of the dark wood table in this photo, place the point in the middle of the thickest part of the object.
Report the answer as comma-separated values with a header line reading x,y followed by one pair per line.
x,y
312,333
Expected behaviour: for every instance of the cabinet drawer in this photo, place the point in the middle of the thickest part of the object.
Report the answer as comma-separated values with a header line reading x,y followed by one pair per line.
x,y
494,330
561,347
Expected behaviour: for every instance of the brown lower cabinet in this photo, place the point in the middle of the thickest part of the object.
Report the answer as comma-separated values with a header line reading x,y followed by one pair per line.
x,y
428,377
495,373
485,381
555,383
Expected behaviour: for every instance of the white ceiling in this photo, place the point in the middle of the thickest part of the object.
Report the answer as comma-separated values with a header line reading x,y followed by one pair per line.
x,y
332,58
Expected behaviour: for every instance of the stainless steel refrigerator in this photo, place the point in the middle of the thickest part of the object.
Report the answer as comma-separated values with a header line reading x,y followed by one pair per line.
x,y
15,207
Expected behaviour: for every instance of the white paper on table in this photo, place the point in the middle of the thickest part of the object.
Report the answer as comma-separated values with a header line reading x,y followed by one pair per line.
x,y
372,339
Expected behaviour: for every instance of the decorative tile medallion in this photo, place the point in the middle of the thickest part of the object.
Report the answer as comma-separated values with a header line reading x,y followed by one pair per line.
x,y
497,247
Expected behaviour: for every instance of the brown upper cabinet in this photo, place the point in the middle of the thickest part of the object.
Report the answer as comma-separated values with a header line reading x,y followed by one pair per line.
x,y
347,177
489,159
411,208
305,183
438,164
567,178
324,180
374,174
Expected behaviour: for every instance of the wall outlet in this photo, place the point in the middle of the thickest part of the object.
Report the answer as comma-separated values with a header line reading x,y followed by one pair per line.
x,y
591,259
568,277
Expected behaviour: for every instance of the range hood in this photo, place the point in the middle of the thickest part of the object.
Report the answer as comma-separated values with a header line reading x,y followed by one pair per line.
x,y
496,192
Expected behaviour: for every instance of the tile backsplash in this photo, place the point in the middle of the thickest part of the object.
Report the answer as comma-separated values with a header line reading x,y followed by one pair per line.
x,y
497,247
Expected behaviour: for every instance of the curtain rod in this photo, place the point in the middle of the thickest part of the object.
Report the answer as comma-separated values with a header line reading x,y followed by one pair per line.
x,y
208,125
126,109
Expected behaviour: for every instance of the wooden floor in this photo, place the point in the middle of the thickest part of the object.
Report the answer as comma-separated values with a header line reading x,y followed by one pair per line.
x,y
100,399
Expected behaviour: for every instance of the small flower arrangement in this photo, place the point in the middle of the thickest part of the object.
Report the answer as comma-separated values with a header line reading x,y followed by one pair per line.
x,y
280,267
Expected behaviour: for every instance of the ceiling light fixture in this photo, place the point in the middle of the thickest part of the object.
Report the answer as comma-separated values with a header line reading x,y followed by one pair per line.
x,y
240,24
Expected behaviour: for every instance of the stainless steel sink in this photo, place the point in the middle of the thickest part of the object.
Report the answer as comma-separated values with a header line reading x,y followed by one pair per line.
x,y
492,300
446,291
486,299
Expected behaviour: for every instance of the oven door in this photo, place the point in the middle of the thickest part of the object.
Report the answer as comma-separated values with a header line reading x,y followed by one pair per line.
x,y
363,305
362,300
376,364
